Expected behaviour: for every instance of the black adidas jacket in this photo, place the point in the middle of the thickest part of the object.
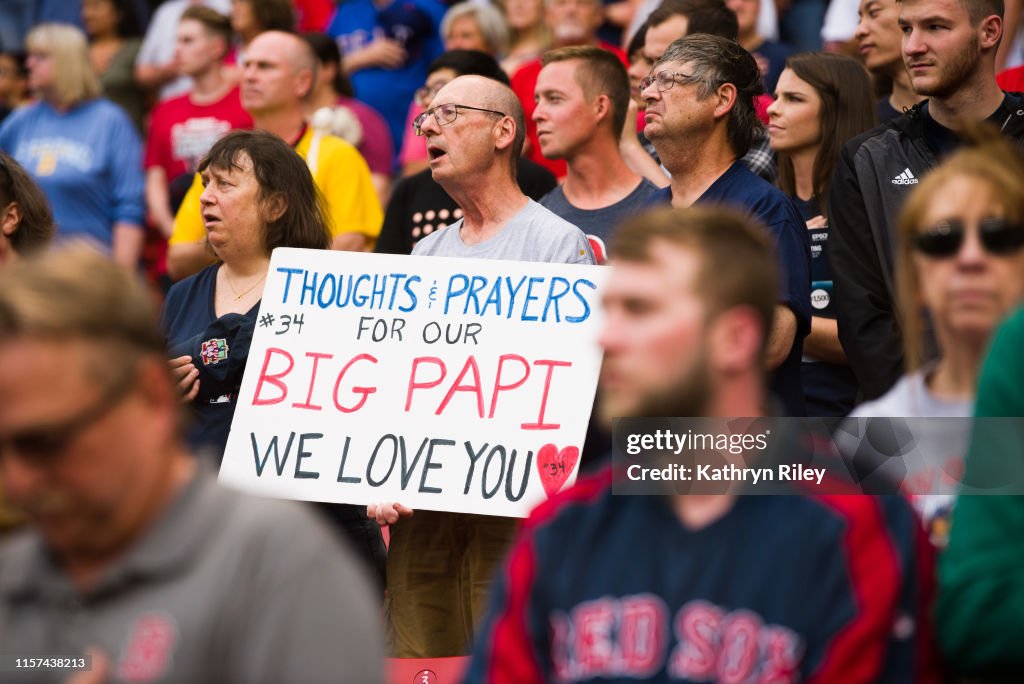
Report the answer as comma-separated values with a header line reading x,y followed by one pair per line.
x,y
875,173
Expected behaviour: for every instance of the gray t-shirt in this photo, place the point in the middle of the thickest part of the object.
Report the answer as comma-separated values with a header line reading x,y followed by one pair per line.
x,y
224,587
598,224
933,446
534,234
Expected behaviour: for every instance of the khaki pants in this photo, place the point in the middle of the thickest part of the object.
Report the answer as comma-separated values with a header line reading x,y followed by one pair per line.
x,y
440,570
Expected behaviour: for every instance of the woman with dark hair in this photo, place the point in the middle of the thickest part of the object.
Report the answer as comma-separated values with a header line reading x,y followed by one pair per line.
x,y
334,110
114,43
821,101
26,223
249,18
258,195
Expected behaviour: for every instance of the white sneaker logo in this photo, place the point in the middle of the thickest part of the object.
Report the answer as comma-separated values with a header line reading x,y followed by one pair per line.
x,y
905,178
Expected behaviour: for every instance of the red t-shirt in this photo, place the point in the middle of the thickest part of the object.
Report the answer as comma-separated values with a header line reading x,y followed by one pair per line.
x,y
761,105
314,15
1011,80
181,132
524,83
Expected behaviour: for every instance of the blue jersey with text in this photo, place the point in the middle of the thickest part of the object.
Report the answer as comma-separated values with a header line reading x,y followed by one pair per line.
x,y
413,23
741,189
779,589
88,161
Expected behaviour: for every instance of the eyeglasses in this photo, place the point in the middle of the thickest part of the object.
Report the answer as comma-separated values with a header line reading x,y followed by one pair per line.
x,y
425,94
998,236
44,443
445,114
665,80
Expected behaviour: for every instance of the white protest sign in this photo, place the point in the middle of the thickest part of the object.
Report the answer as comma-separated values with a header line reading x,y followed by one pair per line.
x,y
446,384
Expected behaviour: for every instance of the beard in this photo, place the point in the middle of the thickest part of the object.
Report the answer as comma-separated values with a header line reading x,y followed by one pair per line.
x,y
686,396
953,73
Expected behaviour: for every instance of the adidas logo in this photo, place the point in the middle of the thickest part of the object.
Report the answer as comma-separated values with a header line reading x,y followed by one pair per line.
x,y
905,178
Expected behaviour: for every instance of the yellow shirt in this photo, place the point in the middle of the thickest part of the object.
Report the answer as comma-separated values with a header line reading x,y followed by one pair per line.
x,y
338,170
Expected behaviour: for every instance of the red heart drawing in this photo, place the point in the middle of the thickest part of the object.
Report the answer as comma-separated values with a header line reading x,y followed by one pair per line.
x,y
556,466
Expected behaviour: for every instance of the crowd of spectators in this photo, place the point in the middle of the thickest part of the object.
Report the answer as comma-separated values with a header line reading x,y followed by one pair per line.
x,y
807,208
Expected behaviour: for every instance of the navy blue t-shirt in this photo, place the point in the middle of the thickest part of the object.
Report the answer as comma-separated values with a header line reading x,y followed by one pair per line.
x,y
605,588
188,310
830,390
742,189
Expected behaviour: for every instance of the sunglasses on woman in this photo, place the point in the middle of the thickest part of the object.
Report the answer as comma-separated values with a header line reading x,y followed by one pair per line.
x,y
998,236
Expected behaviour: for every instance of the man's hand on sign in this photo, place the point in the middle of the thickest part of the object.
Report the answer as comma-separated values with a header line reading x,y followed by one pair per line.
x,y
186,375
387,514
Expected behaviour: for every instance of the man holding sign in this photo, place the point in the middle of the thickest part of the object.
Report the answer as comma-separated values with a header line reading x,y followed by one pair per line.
x,y
440,564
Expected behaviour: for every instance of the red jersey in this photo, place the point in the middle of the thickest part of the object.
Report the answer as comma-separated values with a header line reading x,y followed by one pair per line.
x,y
182,132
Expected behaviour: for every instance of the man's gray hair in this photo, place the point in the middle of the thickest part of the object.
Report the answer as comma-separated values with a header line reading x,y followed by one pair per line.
x,y
714,62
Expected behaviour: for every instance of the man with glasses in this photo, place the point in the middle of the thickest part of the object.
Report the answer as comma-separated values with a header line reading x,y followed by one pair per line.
x,y
701,118
672,20
418,206
133,552
440,564
949,50
475,130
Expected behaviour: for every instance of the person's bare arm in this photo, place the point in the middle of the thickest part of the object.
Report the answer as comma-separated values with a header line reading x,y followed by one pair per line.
x,y
128,239
158,200
186,258
385,53
823,341
382,185
635,155
780,341
349,242
155,76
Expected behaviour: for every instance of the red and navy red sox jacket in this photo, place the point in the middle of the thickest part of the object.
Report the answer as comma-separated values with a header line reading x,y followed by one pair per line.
x,y
780,589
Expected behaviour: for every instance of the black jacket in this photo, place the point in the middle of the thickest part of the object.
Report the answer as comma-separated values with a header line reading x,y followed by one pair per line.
x,y
875,173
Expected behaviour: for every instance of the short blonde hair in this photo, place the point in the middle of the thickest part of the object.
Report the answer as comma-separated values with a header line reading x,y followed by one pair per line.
x,y
74,78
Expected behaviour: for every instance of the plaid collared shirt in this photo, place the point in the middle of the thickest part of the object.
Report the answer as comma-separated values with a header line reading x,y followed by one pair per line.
x,y
761,160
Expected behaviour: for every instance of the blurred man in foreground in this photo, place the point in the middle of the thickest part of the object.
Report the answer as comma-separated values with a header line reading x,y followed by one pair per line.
x,y
133,551
703,587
